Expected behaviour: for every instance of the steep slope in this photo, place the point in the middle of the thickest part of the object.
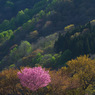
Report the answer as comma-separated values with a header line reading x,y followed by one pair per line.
x,y
45,18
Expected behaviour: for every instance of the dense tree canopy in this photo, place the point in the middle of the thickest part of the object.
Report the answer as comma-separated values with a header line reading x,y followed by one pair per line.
x,y
53,34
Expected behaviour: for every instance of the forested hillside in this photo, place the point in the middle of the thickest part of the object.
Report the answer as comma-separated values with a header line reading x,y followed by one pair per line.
x,y
10,8
58,35
80,40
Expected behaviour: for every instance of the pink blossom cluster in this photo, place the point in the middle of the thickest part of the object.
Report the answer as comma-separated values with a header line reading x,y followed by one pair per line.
x,y
34,78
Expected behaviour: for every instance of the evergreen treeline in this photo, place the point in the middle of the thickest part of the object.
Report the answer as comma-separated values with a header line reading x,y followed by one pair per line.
x,y
79,41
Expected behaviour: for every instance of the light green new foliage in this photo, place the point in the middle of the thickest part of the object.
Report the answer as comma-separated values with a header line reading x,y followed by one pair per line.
x,y
19,52
13,54
47,60
25,48
5,35
37,58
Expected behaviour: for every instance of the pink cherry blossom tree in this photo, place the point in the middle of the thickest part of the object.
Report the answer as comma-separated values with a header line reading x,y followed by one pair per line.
x,y
34,78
